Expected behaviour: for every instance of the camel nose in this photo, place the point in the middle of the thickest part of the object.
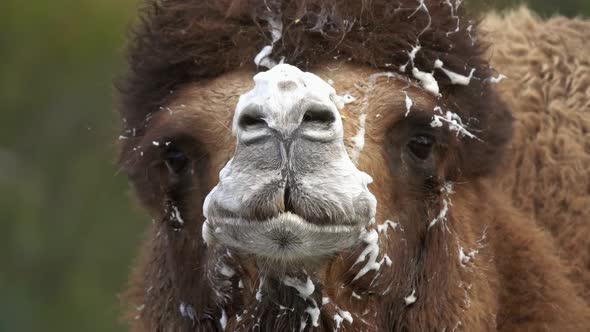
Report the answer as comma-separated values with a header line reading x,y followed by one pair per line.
x,y
290,159
287,102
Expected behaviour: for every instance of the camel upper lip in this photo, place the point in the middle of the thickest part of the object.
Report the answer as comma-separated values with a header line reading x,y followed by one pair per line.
x,y
222,215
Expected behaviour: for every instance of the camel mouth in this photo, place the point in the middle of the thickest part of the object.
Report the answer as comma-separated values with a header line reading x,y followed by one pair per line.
x,y
284,237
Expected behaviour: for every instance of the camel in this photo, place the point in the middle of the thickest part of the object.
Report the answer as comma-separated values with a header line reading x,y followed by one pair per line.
x,y
358,166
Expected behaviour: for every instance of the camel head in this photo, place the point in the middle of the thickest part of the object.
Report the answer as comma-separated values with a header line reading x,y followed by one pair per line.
x,y
305,157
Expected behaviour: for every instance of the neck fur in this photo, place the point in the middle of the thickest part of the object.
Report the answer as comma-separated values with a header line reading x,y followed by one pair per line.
x,y
384,277
192,287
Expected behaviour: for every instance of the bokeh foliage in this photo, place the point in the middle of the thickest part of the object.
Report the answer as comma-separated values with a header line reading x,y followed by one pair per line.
x,y
69,227
69,231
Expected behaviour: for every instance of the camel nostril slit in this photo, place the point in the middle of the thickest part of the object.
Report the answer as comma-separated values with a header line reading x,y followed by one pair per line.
x,y
251,121
287,200
319,116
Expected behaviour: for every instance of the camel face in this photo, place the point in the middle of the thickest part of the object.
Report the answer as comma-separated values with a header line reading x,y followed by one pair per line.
x,y
353,186
290,190
294,179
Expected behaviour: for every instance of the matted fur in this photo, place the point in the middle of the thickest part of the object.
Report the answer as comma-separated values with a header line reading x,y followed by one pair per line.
x,y
516,281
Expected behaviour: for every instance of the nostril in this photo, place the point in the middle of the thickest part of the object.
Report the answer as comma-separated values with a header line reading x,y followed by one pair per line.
x,y
319,116
251,121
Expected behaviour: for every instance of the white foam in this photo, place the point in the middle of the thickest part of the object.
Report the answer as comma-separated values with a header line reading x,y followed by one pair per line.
x,y
413,53
453,15
226,271
223,319
259,292
305,289
442,215
314,314
346,315
427,81
387,224
454,121
371,238
348,98
422,5
409,104
454,77
411,298
496,80
338,320
176,214
342,316
263,59
388,261
466,258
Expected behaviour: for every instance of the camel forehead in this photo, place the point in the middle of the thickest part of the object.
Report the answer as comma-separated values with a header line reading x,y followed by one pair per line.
x,y
340,76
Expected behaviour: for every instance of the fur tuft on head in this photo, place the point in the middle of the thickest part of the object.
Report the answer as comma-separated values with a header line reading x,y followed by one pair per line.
x,y
181,41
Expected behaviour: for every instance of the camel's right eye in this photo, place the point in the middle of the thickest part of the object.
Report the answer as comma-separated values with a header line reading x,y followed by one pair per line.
x,y
176,161
421,146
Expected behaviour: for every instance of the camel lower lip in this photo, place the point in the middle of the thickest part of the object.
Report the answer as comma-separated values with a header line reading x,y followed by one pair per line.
x,y
286,236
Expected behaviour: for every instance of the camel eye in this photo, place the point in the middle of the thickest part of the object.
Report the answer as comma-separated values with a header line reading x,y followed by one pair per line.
x,y
421,146
176,161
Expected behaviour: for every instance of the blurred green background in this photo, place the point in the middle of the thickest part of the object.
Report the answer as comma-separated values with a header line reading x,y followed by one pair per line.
x,y
70,229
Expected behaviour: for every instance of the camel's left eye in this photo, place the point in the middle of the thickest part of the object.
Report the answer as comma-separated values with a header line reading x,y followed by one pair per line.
x,y
421,146
176,161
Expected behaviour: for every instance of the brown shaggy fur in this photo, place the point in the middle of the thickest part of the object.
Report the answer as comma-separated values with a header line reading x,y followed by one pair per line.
x,y
189,62
548,173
